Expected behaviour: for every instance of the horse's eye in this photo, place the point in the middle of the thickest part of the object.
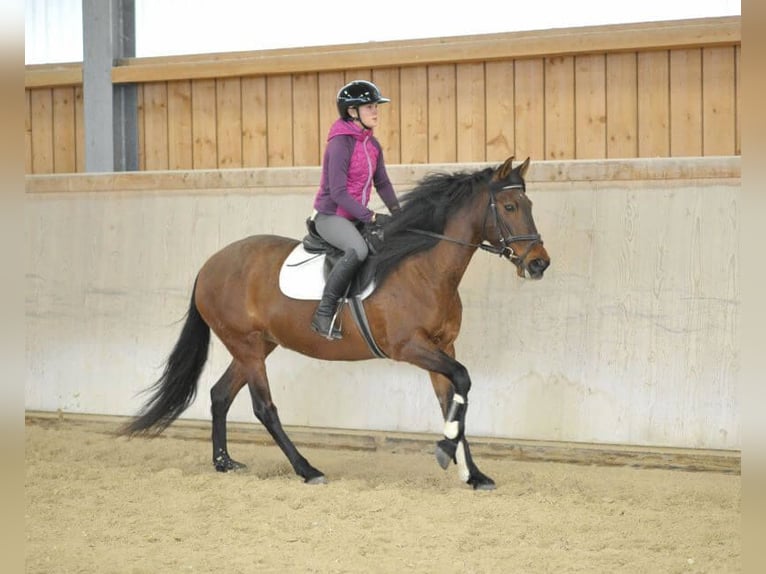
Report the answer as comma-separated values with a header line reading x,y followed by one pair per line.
x,y
510,207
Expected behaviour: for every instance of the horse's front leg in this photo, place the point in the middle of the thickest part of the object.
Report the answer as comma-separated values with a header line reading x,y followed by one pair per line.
x,y
454,446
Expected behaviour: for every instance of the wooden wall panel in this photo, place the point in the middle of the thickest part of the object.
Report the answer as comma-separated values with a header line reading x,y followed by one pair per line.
x,y
279,95
42,130
530,109
686,102
718,89
306,119
228,103
254,122
180,125
156,126
442,114
204,132
388,131
653,104
615,102
471,129
559,108
500,104
621,106
590,106
414,105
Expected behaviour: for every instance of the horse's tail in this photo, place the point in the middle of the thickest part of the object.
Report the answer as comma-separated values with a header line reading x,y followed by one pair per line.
x,y
175,390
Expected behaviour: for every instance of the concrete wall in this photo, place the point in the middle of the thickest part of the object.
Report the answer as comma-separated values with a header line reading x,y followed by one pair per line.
x,y
631,338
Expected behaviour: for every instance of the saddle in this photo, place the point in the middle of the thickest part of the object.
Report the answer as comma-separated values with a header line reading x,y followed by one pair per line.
x,y
373,235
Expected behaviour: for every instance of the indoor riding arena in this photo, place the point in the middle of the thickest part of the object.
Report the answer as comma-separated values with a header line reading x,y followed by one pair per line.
x,y
604,401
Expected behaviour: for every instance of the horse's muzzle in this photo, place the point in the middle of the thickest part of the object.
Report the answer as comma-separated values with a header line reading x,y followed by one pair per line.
x,y
533,264
537,267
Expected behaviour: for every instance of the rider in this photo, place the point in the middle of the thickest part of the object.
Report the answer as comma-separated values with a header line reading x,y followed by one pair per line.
x,y
352,163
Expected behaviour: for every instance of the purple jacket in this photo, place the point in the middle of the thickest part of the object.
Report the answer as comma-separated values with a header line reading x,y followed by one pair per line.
x,y
353,163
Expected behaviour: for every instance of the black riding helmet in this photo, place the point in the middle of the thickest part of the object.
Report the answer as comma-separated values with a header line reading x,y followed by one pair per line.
x,y
358,93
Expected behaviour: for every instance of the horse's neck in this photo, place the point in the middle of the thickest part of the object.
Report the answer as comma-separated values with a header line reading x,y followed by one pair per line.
x,y
449,260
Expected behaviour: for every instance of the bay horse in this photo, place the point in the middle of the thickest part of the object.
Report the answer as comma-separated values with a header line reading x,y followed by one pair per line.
x,y
414,313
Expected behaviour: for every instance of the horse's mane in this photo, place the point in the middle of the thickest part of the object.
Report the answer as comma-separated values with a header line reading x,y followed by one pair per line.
x,y
428,207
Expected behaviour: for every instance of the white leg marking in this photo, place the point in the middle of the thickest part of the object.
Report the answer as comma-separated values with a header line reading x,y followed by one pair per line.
x,y
462,467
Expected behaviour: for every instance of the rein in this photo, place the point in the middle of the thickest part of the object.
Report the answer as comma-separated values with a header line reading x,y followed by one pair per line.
x,y
504,250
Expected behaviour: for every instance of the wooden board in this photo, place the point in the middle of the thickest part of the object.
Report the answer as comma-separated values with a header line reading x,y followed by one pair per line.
x,y
654,104
279,110
530,109
228,103
471,118
621,105
42,130
414,106
64,158
254,128
180,125
686,102
500,103
442,115
204,132
738,101
79,110
28,153
718,93
156,126
590,106
559,108
306,119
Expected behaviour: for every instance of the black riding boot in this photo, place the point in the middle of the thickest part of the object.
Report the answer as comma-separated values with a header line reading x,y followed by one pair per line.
x,y
334,290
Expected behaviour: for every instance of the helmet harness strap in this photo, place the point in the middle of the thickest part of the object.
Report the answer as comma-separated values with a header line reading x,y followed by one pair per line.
x,y
359,118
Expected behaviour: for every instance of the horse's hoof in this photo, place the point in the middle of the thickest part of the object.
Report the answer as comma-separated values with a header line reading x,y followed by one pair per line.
x,y
445,452
227,464
442,458
482,483
316,480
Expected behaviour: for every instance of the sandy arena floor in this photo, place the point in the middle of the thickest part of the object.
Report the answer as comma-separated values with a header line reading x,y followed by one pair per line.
x,y
99,504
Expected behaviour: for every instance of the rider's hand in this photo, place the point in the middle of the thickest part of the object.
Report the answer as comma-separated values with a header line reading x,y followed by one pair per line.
x,y
381,218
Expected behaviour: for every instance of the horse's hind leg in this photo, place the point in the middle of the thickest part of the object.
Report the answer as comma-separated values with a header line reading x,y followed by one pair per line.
x,y
467,469
221,396
266,412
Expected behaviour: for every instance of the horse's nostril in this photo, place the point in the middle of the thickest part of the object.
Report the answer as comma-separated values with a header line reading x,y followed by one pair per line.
x,y
538,265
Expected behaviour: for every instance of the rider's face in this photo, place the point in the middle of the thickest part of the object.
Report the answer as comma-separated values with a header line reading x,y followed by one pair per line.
x,y
368,114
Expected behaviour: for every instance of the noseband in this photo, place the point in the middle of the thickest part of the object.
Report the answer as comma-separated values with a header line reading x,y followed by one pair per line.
x,y
504,232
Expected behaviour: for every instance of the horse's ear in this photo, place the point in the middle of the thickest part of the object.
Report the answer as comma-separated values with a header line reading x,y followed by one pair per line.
x,y
504,171
523,167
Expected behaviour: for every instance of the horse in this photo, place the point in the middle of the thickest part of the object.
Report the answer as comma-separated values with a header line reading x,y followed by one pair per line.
x,y
414,313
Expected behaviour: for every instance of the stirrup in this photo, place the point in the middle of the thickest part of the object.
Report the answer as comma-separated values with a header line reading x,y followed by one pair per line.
x,y
331,333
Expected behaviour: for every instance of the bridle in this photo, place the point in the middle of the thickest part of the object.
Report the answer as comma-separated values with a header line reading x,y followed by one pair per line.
x,y
504,232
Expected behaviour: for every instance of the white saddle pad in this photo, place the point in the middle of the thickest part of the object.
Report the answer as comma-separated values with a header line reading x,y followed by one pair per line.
x,y
302,275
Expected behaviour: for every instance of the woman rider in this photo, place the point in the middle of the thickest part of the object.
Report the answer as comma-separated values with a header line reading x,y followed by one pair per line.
x,y
352,165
